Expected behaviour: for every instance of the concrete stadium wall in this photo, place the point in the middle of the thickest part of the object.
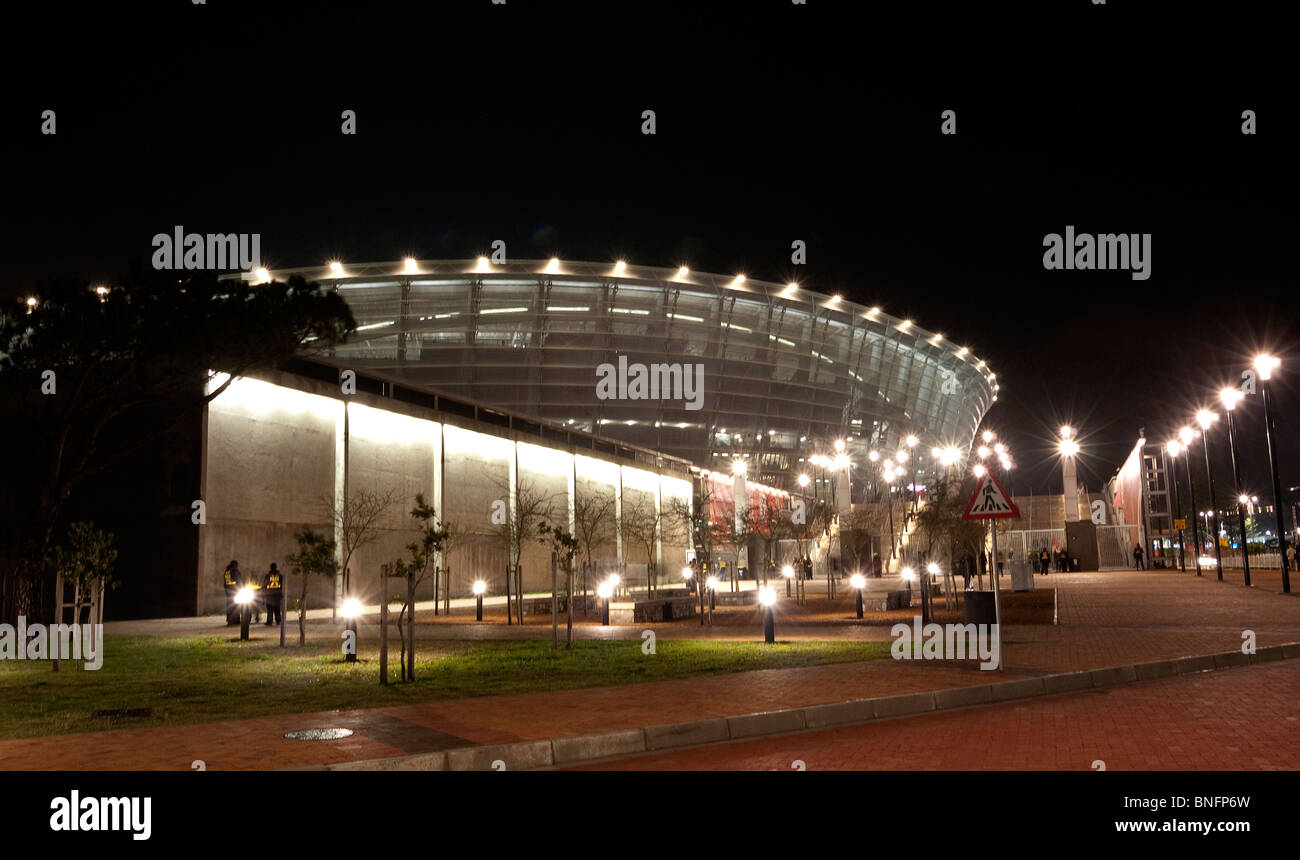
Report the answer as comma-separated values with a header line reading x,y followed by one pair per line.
x,y
274,459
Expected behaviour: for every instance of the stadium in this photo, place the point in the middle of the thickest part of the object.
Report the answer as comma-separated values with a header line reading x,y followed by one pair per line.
x,y
785,371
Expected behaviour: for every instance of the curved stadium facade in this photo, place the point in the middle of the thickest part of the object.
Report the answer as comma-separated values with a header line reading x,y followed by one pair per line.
x,y
784,370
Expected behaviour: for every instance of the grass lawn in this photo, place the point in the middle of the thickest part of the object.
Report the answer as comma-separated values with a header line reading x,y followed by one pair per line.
x,y
204,679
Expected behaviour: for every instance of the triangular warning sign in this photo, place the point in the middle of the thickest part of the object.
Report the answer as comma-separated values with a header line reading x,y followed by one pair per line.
x,y
991,501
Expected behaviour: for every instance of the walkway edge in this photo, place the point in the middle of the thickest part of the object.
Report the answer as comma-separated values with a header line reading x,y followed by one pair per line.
x,y
577,749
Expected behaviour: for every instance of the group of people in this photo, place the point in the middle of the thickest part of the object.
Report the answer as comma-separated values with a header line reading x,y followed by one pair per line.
x,y
268,593
1045,559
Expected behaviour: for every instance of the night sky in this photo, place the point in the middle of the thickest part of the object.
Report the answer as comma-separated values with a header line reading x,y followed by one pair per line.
x,y
775,123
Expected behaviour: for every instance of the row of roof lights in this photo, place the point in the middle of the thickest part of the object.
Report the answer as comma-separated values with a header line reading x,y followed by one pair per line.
x,y
484,264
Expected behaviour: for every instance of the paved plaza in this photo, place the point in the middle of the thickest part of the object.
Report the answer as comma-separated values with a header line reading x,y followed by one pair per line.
x,y
1106,619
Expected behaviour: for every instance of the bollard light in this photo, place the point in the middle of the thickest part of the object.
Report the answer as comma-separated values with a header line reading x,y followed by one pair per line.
x,y
244,597
604,591
712,584
859,582
788,573
479,588
350,609
767,597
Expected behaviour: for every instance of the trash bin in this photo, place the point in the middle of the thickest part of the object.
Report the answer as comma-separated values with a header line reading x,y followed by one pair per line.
x,y
978,607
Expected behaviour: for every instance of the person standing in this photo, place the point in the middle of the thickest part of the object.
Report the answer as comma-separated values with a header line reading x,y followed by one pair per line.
x,y
272,592
231,578
1045,562
1137,557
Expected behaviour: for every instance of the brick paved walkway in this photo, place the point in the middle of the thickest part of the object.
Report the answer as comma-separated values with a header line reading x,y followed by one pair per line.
x,y
1236,719
1106,619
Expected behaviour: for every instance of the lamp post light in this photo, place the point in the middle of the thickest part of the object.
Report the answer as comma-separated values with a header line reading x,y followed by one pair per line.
x,y
614,582
1205,418
1230,397
911,443
479,587
712,584
1174,447
1185,436
244,597
604,591
350,610
888,474
859,582
1264,367
767,597
788,573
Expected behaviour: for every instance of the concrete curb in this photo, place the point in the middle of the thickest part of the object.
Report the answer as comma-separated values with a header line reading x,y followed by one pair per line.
x,y
579,749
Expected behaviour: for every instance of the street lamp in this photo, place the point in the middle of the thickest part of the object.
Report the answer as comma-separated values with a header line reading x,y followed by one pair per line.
x,y
1174,447
479,587
244,597
1205,418
1185,436
1230,397
888,474
767,597
788,573
1264,367
350,609
712,584
859,582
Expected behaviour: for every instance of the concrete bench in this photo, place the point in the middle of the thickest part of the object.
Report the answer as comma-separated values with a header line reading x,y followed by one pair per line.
x,y
650,611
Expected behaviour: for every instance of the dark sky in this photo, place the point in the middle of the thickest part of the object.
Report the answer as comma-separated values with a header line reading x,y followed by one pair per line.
x,y
775,122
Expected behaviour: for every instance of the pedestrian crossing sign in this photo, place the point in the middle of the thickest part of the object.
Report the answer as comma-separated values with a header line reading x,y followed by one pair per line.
x,y
991,501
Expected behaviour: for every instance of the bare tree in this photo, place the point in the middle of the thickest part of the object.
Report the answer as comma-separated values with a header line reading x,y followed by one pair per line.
x,y
356,521
641,527
532,507
593,523
424,551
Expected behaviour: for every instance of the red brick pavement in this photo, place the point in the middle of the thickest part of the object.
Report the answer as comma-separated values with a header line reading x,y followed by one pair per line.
x,y
1228,720
1106,619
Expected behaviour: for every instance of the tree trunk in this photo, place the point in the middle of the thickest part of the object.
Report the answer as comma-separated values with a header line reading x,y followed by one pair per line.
x,y
302,612
410,601
510,610
568,587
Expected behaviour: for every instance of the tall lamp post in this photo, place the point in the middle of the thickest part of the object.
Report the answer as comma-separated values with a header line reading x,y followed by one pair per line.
x,y
1205,418
1185,436
911,443
1174,447
1264,367
1069,447
888,474
1230,398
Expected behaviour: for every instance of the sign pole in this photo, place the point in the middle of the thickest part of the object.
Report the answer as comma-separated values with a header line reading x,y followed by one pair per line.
x,y
997,601
990,501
